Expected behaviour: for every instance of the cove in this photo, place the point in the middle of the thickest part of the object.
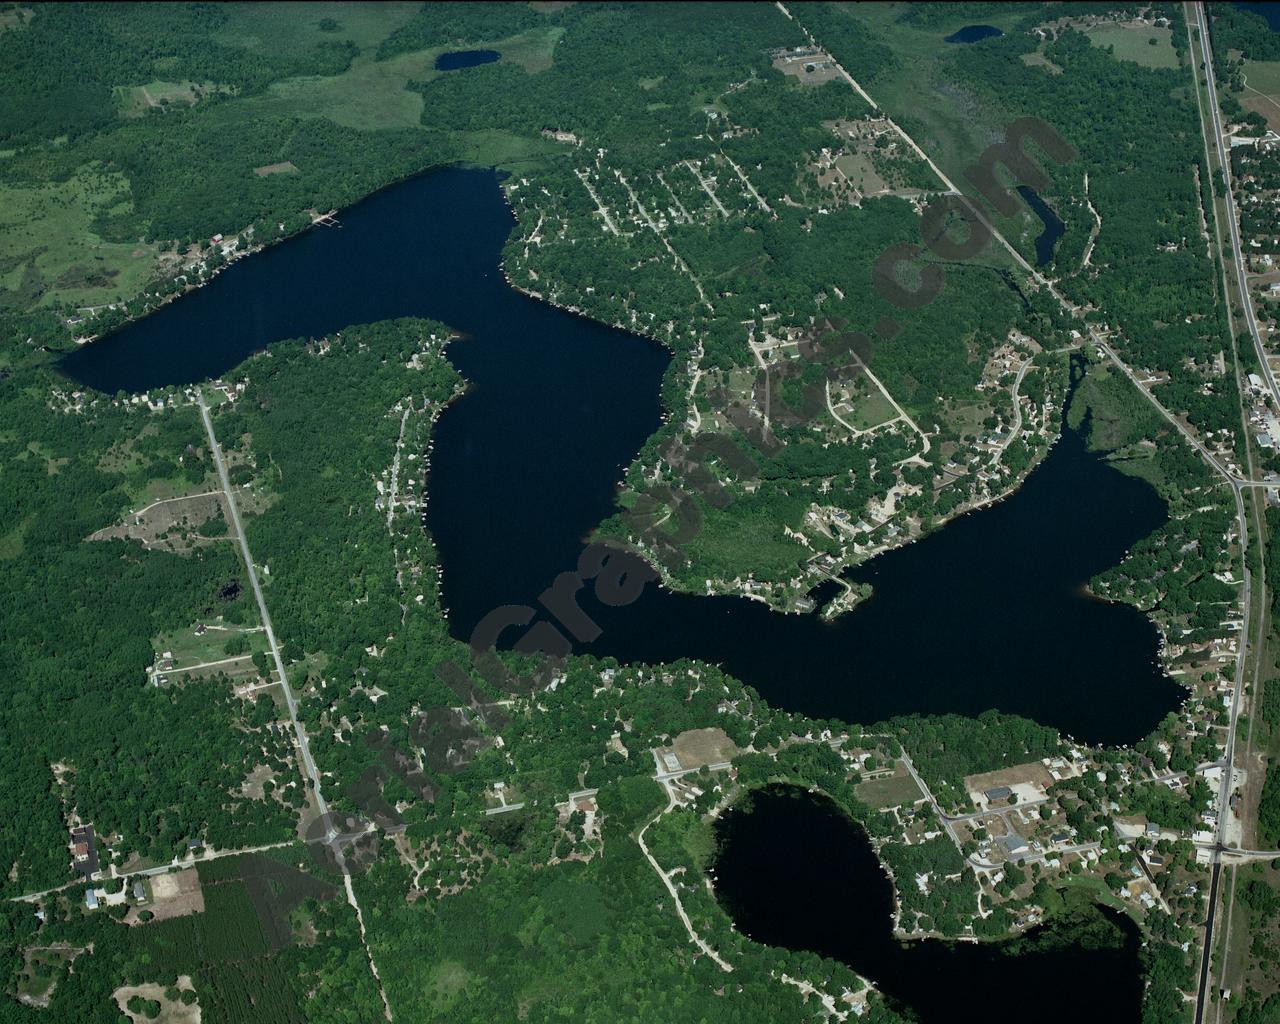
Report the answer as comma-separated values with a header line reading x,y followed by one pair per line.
x,y
987,612
793,871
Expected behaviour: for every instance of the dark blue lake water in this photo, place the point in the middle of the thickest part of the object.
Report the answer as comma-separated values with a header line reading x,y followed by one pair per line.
x,y
1047,240
973,33
987,612
792,870
1269,11
465,59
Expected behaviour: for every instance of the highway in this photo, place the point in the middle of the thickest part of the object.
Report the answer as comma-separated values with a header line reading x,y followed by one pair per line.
x,y
1237,484
1233,224
1213,125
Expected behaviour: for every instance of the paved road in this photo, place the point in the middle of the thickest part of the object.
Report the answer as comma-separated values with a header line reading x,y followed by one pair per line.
x,y
694,937
332,838
1229,201
1217,851
1016,429
304,747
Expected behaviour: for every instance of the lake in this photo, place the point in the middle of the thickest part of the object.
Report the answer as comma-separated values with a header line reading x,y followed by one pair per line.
x,y
793,870
989,611
465,59
1269,11
973,33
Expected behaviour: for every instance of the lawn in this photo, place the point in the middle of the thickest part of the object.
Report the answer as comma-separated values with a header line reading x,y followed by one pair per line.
x,y
1133,42
891,791
189,649
872,409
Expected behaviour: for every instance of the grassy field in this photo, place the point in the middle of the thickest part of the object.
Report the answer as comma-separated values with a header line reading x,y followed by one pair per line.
x,y
1262,90
189,649
891,791
49,246
1263,75
51,236
950,122
954,125
372,94
295,27
136,100
872,409
1039,60
1133,42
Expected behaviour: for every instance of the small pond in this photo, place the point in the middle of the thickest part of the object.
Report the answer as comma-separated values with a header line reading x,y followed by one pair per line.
x,y
1053,226
972,33
458,59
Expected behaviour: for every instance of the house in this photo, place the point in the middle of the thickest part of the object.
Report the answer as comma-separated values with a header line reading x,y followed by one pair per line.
x,y
91,898
998,793
139,891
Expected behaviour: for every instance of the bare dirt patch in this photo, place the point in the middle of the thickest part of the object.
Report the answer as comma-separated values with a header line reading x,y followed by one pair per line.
x,y
172,524
806,64
252,786
285,167
42,968
1028,781
697,748
172,895
172,1011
